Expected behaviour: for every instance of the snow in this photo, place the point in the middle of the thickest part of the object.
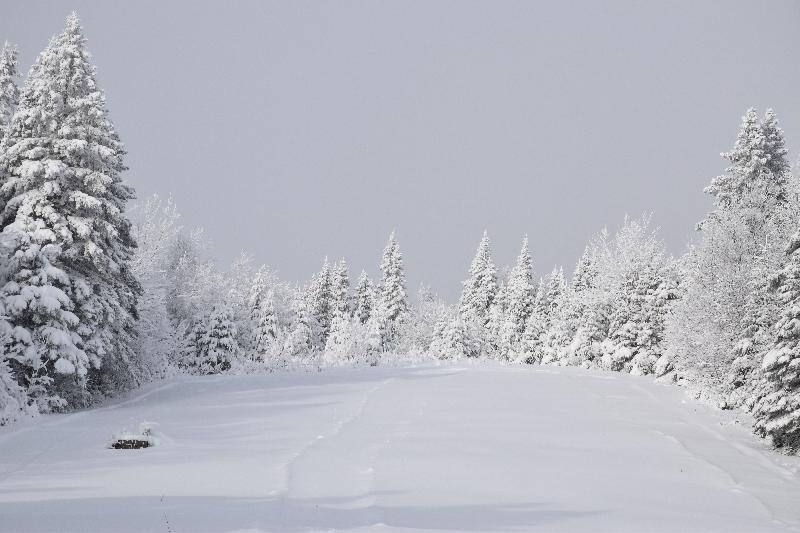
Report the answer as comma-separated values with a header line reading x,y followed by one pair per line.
x,y
453,448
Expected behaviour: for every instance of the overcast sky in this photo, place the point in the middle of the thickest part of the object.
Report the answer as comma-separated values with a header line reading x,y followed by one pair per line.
x,y
295,130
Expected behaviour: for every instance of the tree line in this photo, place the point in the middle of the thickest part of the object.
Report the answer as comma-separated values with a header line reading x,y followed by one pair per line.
x,y
92,303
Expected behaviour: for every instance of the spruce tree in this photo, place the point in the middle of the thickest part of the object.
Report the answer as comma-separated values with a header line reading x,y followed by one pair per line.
x,y
560,343
394,296
777,412
71,296
453,339
339,341
364,298
340,291
480,288
558,332
299,341
716,330
496,317
318,305
265,329
216,342
519,303
392,292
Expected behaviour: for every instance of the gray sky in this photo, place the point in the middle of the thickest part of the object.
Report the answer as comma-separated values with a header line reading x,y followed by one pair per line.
x,y
295,130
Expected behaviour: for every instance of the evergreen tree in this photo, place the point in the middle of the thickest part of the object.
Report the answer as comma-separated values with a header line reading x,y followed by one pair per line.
x,y
637,323
393,294
318,305
265,330
556,328
216,342
777,412
71,297
496,318
480,288
340,343
519,303
453,339
717,330
340,291
583,278
9,93
364,299
378,333
560,343
300,340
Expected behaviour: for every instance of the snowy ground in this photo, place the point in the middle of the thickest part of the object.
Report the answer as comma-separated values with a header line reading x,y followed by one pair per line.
x,y
449,448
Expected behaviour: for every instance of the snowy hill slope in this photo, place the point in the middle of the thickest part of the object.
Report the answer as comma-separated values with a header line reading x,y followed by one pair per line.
x,y
451,448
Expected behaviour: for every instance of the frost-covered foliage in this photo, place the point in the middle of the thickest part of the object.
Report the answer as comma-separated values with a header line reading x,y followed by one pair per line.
x,y
391,305
480,288
777,410
612,315
215,341
156,231
14,400
364,298
91,304
518,304
9,92
392,290
71,295
720,328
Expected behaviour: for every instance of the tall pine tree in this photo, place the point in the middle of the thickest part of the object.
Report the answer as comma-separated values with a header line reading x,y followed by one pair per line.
x,y
519,304
777,411
480,288
364,298
393,294
71,297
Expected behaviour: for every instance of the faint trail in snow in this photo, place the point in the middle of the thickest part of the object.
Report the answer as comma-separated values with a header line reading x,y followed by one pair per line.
x,y
737,485
338,428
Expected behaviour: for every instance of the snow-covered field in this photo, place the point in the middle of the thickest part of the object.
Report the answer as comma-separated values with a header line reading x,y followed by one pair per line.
x,y
461,448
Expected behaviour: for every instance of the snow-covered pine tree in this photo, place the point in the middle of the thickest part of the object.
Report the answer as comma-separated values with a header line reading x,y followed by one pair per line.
x,y
265,327
713,332
519,304
592,299
72,297
762,307
392,295
496,318
300,339
216,344
378,335
531,343
556,285
637,323
558,334
9,92
453,339
340,340
560,342
777,411
480,287
318,305
14,400
364,298
340,290
636,274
